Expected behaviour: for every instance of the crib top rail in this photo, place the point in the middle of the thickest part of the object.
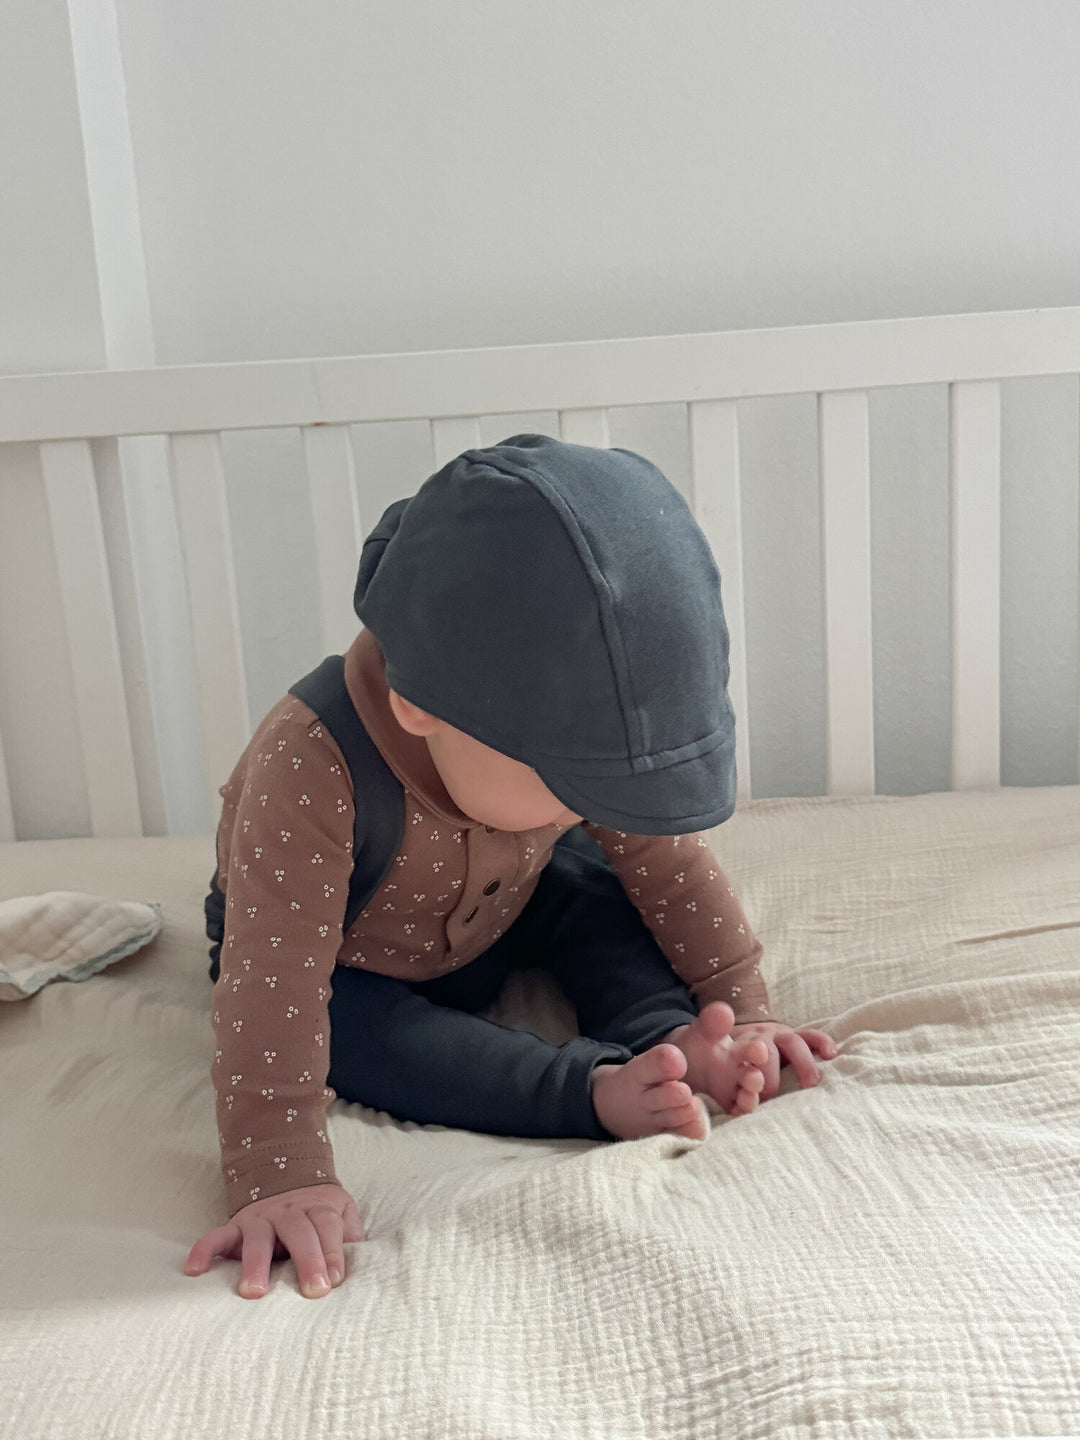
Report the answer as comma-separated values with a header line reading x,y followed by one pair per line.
x,y
739,364
157,662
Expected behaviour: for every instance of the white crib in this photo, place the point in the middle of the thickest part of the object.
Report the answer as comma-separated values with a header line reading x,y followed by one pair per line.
x,y
158,683
893,1253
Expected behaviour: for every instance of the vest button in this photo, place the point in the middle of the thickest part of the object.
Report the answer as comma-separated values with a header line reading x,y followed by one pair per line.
x,y
491,887
490,829
469,916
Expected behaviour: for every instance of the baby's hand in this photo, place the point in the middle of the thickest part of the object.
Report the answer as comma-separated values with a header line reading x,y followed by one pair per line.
x,y
311,1224
789,1047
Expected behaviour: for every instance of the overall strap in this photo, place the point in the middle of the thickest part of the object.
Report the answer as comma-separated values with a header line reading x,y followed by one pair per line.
x,y
379,799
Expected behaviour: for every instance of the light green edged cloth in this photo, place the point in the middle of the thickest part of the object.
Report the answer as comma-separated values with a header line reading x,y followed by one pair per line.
x,y
67,935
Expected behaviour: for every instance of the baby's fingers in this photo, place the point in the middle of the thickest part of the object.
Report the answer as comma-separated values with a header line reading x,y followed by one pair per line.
x,y
817,1040
225,1240
259,1241
796,1052
353,1226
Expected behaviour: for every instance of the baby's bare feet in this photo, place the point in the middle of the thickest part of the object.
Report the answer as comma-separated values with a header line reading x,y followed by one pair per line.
x,y
647,1096
726,1069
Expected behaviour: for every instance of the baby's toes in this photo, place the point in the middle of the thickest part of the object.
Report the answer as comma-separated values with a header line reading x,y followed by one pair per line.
x,y
749,1092
669,1095
753,1052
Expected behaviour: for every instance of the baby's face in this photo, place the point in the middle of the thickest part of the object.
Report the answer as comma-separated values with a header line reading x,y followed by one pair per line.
x,y
484,783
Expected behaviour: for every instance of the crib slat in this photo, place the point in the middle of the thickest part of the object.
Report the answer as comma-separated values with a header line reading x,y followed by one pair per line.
x,y
844,445
452,435
975,484
7,816
86,598
336,511
585,427
203,520
717,506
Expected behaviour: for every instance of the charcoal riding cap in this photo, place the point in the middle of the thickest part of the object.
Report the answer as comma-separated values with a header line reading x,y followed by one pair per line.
x,y
560,604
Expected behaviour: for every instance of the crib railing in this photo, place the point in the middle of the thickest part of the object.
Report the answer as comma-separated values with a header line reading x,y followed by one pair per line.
x,y
186,409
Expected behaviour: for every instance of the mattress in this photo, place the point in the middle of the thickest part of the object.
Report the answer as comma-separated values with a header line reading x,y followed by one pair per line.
x,y
894,1253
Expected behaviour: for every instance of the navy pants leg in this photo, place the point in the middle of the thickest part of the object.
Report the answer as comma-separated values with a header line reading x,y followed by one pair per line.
x,y
419,1051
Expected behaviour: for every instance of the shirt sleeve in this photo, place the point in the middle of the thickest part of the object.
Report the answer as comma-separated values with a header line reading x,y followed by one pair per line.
x,y
286,889
691,908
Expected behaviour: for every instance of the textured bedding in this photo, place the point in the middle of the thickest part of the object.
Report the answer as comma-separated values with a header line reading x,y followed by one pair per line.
x,y
895,1253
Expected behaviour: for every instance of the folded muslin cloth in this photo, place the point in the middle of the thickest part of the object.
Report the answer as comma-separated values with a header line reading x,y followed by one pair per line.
x,y
66,935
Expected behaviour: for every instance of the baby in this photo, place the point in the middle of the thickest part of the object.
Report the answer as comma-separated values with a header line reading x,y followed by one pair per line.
x,y
508,768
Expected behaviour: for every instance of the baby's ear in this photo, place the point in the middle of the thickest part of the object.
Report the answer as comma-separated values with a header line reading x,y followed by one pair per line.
x,y
410,717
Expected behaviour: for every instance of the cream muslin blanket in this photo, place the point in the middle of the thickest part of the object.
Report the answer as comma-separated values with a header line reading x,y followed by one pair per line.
x,y
894,1253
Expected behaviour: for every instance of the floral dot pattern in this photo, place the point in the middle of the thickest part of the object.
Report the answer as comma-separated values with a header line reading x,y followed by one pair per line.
x,y
690,906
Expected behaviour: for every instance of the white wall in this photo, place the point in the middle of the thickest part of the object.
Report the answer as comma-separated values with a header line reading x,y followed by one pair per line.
x,y
337,178
333,178
49,314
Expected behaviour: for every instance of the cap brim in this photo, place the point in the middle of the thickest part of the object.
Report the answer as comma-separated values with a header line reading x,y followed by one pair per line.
x,y
693,795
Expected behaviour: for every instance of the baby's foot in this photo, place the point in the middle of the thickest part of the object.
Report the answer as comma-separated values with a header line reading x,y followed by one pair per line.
x,y
647,1096
726,1069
